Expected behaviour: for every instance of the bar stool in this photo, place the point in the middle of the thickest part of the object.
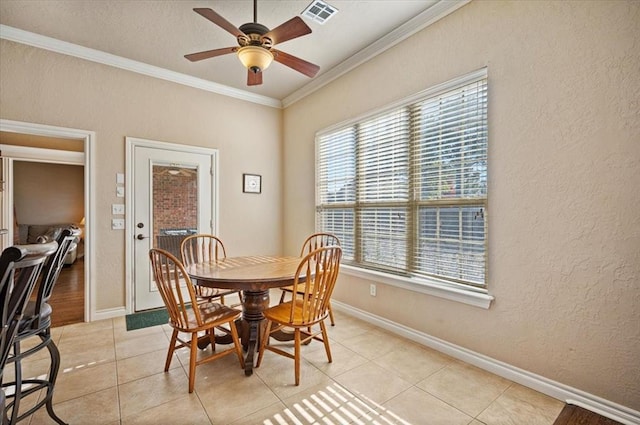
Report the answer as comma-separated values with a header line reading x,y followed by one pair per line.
x,y
20,268
36,321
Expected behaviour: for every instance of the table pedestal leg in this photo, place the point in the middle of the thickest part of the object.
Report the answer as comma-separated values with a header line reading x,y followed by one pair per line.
x,y
249,327
255,302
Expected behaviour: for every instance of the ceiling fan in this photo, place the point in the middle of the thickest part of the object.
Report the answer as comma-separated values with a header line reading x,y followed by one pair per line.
x,y
255,45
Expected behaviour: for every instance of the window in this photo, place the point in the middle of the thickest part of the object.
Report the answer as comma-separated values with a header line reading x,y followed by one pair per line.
x,y
405,189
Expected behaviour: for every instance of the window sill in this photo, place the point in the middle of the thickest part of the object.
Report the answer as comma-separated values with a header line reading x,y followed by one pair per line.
x,y
476,298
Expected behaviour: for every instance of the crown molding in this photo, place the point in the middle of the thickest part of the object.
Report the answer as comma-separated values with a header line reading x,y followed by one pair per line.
x,y
65,48
436,12
414,25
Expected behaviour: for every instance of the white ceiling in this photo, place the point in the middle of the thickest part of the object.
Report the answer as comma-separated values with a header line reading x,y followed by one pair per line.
x,y
160,32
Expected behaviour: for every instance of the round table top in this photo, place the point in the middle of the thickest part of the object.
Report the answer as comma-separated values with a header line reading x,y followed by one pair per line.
x,y
252,273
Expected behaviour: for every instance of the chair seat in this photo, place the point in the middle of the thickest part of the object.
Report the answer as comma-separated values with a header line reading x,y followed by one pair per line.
x,y
289,290
210,312
30,317
281,313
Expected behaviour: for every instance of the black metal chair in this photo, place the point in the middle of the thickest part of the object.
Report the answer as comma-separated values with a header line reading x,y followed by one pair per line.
x,y
36,321
20,268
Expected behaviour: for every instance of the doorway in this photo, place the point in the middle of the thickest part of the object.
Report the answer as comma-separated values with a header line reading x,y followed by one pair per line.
x,y
175,196
48,197
83,156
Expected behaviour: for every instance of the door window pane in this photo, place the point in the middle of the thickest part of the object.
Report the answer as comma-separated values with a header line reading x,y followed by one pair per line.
x,y
175,206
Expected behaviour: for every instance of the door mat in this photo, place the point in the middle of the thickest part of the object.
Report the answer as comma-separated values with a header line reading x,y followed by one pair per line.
x,y
145,319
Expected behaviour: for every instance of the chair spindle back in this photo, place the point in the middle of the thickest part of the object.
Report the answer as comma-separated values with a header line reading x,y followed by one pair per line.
x,y
201,248
51,271
315,279
175,287
319,240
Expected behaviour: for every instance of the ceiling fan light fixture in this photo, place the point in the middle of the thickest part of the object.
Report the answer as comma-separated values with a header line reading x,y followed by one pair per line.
x,y
255,58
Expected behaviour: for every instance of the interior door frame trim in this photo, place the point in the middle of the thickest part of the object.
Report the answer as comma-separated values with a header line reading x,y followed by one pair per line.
x,y
89,140
131,144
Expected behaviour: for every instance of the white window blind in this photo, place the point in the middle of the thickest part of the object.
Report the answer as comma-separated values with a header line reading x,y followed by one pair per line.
x,y
406,189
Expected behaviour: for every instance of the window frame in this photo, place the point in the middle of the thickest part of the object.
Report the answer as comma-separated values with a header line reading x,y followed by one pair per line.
x,y
428,284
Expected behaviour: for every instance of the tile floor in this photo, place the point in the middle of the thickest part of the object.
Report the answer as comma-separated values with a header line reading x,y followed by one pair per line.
x,y
111,376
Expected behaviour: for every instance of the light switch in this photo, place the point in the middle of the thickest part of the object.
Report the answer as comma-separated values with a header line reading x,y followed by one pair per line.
x,y
120,192
117,223
119,178
117,209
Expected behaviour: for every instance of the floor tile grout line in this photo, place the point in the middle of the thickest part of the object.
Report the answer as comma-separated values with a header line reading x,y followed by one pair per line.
x,y
280,398
115,355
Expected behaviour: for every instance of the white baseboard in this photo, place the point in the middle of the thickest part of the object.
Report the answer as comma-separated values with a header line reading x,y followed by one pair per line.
x,y
109,313
539,383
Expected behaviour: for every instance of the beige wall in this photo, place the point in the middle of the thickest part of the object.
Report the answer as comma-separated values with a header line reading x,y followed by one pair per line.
x,y
564,171
564,197
48,193
42,87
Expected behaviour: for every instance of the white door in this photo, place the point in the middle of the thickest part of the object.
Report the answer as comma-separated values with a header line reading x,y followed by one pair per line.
x,y
172,196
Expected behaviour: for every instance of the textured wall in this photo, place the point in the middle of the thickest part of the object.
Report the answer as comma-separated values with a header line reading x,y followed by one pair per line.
x,y
48,193
43,87
564,188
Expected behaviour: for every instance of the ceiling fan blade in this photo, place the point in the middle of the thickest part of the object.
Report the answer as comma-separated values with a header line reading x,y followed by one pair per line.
x,y
300,65
194,57
293,28
254,78
219,21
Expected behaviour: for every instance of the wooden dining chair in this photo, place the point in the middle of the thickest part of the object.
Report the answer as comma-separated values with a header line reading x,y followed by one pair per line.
x,y
313,242
36,321
315,278
20,268
189,315
200,248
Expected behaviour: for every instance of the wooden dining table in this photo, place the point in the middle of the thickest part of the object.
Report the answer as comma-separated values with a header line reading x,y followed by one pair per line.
x,y
254,276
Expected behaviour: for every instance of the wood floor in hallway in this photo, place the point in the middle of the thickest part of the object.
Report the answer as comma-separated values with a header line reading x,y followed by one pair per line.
x,y
67,300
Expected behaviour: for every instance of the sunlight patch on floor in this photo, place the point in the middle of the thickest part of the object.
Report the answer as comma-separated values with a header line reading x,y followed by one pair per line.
x,y
335,406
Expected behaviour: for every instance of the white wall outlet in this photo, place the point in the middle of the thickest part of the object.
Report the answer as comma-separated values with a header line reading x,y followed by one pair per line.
x,y
117,224
117,209
372,289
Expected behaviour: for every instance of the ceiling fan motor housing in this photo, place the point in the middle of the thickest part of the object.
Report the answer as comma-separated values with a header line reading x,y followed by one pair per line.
x,y
254,31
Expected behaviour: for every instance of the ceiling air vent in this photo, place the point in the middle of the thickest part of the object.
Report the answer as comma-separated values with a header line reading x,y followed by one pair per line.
x,y
319,11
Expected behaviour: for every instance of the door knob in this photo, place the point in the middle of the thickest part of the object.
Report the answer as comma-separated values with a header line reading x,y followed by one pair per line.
x,y
141,236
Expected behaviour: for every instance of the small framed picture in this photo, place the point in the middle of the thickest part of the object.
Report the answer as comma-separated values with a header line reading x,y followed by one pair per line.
x,y
251,183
